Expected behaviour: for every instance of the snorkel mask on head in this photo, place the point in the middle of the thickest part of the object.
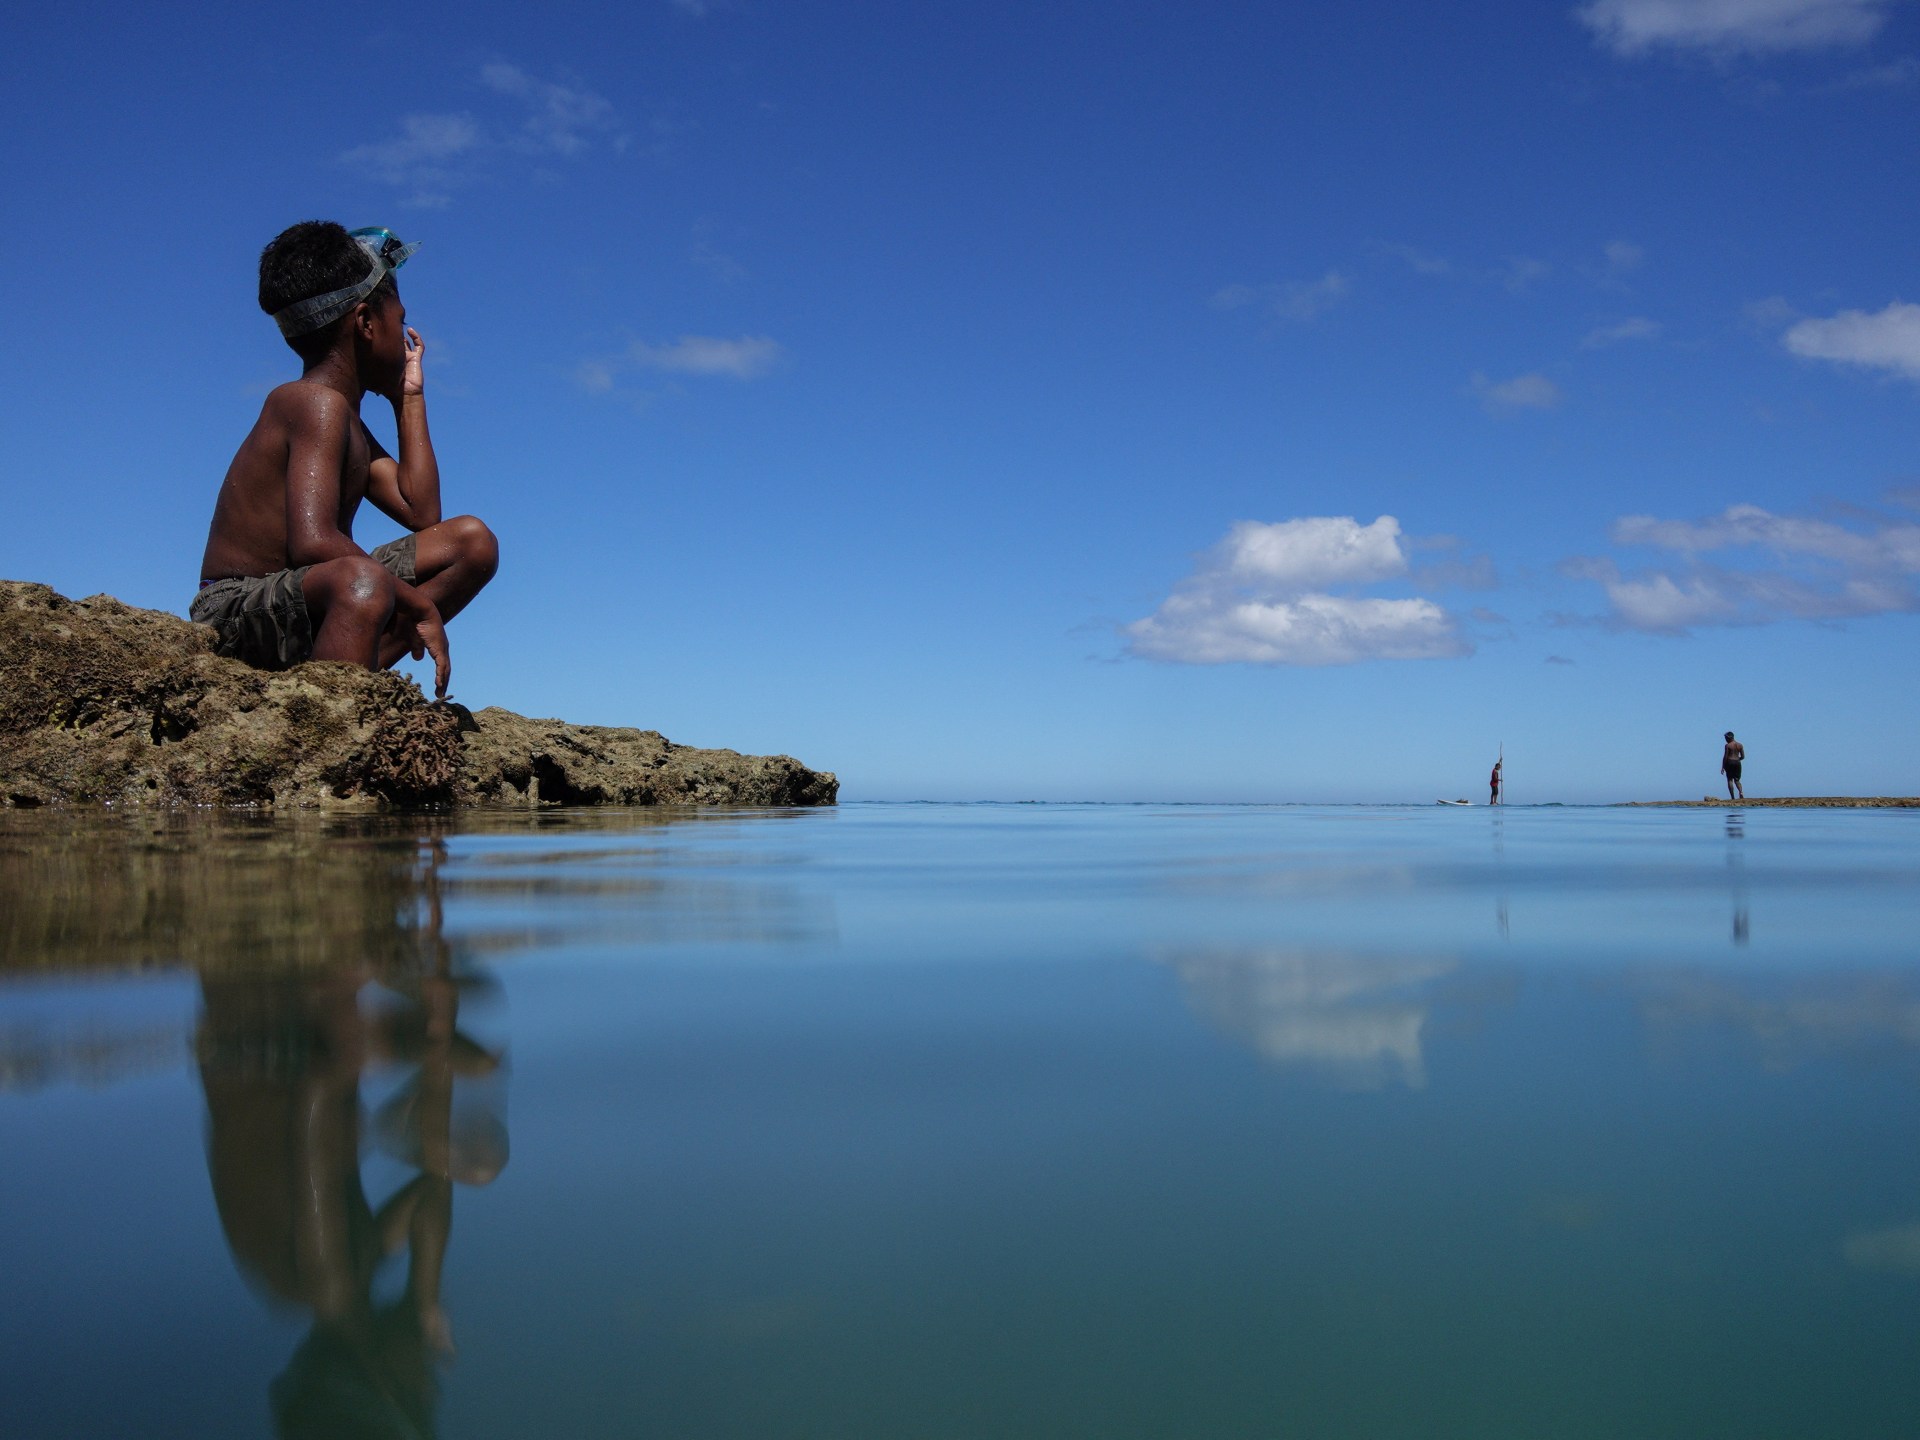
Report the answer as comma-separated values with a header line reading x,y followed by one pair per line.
x,y
383,247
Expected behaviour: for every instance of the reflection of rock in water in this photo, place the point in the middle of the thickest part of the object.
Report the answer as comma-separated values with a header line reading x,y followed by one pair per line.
x,y
35,1056
1327,1011
97,890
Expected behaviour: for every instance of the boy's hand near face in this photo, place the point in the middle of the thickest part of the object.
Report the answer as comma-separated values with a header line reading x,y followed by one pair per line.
x,y
413,378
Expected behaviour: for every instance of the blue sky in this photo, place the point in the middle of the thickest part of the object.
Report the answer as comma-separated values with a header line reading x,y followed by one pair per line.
x,y
1109,401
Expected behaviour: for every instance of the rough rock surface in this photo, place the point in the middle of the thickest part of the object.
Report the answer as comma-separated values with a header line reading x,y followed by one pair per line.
x,y
1791,802
100,702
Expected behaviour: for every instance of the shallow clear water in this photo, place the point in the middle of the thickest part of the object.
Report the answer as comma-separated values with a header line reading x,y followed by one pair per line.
x,y
963,1121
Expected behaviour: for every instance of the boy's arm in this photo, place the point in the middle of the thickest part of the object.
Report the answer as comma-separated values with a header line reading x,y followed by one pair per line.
x,y
317,432
316,454
408,489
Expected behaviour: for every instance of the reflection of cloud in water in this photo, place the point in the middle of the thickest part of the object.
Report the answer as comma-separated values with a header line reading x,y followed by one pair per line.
x,y
1795,1020
1341,1015
1303,873
1895,1250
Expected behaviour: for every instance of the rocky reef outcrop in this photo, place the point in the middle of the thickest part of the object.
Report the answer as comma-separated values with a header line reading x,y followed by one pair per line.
x,y
104,703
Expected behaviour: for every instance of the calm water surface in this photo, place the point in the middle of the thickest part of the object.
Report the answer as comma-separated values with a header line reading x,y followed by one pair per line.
x,y
975,1121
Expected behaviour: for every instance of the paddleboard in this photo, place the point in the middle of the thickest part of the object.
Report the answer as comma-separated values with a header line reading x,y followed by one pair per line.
x,y
1453,802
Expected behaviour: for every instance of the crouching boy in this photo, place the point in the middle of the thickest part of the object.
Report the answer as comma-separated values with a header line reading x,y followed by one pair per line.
x,y
282,580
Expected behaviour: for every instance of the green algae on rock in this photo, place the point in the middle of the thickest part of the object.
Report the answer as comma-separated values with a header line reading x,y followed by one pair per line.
x,y
104,703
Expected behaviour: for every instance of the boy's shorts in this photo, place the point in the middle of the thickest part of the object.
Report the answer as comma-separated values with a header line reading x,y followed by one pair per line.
x,y
263,620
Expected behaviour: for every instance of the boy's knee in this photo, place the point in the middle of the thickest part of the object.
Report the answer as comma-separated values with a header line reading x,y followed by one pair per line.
x,y
361,584
479,547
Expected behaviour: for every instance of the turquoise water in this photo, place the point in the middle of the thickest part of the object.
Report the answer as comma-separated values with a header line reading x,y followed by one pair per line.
x,y
963,1121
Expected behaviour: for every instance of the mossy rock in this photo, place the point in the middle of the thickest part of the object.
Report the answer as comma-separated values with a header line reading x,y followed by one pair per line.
x,y
104,703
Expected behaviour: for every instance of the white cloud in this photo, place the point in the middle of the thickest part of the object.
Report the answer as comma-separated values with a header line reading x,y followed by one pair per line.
x,y
1255,599
1523,392
1310,630
747,358
1888,339
1891,547
1634,327
1293,300
1809,570
1633,27
1318,550
702,356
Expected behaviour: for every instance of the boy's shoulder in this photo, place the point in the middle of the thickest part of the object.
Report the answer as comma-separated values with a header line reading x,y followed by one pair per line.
x,y
307,402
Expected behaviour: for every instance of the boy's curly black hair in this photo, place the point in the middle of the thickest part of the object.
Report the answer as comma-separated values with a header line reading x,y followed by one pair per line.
x,y
313,258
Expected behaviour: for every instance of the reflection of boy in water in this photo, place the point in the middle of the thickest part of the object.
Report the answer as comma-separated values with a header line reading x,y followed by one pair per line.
x,y
281,1062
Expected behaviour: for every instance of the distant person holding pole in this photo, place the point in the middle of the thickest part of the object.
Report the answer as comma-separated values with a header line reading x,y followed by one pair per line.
x,y
1731,759
1494,783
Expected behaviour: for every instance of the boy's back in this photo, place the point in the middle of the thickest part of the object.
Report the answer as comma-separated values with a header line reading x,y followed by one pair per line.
x,y
249,531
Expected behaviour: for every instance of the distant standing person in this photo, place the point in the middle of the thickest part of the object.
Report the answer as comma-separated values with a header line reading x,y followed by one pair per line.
x,y
1731,759
1494,783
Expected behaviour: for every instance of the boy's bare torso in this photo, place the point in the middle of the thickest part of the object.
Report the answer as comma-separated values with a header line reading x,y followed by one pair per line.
x,y
249,534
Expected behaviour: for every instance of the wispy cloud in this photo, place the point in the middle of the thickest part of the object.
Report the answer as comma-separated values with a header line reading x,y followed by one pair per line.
x,y
1634,327
1522,272
1297,300
1894,75
560,119
1260,597
748,357
1778,567
1887,339
431,156
1419,261
1454,569
1635,27
704,253
1623,255
436,154
1532,391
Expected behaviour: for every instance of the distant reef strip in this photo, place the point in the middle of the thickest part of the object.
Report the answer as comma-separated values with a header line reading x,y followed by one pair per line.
x,y
1794,802
104,703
